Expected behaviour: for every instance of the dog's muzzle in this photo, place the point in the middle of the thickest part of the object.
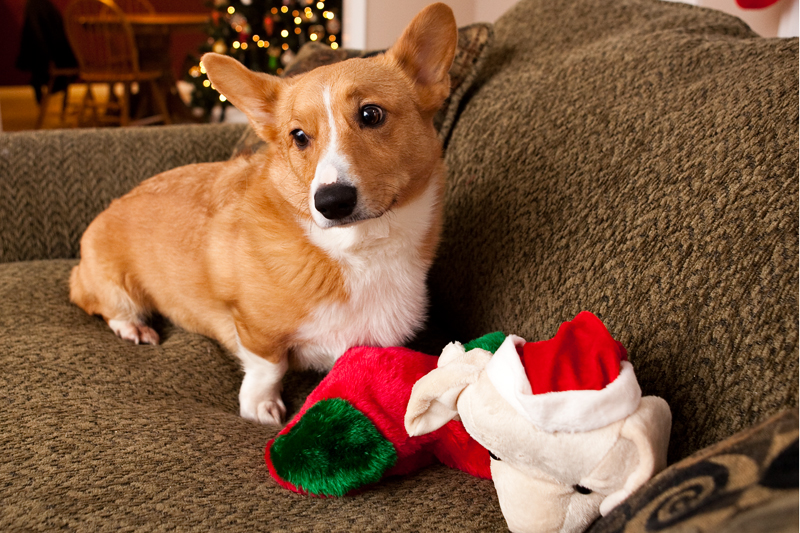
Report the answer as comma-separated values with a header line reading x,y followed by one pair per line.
x,y
336,201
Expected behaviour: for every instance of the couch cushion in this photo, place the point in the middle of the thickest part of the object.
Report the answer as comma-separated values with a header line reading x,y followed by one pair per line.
x,y
637,159
53,183
99,434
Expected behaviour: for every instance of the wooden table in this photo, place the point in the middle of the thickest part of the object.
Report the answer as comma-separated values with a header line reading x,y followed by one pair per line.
x,y
143,23
153,38
153,33
158,22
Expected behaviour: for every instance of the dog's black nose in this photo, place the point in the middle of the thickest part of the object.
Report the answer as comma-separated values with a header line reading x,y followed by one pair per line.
x,y
336,201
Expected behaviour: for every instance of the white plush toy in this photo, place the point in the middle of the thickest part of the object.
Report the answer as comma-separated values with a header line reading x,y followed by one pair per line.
x,y
569,432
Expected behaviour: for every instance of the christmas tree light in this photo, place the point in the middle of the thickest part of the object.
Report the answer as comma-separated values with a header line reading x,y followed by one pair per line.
x,y
264,35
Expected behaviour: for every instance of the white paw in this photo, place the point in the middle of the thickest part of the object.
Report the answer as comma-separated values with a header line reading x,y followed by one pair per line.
x,y
136,333
260,395
270,411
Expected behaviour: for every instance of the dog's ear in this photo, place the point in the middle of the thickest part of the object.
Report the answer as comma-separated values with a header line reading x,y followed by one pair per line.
x,y
253,93
425,52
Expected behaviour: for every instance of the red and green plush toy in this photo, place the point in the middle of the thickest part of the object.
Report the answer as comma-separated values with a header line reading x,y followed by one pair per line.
x,y
350,432
560,426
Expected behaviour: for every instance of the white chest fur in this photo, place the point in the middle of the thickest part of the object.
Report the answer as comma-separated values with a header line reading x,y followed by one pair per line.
x,y
385,275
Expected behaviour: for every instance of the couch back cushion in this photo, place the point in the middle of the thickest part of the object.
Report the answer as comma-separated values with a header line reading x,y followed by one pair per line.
x,y
637,159
53,183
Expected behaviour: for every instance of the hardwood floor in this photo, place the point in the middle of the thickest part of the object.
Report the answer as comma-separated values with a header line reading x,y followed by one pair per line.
x,y
19,109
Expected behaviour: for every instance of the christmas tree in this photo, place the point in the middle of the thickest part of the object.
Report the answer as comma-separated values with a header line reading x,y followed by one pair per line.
x,y
264,35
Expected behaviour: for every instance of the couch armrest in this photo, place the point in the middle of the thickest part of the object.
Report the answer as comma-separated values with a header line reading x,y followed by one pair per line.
x,y
747,482
53,183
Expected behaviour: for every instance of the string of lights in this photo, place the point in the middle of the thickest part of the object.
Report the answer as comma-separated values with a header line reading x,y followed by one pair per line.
x,y
264,35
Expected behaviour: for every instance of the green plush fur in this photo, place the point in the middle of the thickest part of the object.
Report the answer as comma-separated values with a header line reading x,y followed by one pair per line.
x,y
333,449
489,342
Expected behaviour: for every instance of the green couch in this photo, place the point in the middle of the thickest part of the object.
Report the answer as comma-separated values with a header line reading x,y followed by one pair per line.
x,y
637,159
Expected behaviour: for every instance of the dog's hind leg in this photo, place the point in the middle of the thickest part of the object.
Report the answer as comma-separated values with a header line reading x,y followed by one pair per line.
x,y
97,295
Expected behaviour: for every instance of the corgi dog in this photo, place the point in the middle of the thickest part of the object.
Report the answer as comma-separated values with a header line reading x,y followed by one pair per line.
x,y
320,243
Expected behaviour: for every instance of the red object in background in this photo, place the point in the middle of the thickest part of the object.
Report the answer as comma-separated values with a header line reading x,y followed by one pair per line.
x,y
755,4
12,17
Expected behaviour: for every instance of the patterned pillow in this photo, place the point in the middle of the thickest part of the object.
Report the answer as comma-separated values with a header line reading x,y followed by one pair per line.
x,y
473,43
748,482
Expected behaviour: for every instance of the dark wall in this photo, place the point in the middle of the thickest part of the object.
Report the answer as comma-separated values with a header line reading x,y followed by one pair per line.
x,y
12,15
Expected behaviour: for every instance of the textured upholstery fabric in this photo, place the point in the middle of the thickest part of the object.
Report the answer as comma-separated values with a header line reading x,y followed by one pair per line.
x,y
746,483
637,159
53,183
99,434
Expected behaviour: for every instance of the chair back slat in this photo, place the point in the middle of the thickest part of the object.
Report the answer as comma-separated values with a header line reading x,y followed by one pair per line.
x,y
135,6
101,37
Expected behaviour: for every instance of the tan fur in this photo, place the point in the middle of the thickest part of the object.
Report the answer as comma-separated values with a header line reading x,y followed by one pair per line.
x,y
223,249
158,245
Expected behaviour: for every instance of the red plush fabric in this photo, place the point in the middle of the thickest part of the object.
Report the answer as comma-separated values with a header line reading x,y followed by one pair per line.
x,y
755,4
582,356
378,382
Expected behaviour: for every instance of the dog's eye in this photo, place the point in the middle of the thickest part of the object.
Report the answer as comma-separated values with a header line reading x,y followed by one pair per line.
x,y
493,456
371,116
301,140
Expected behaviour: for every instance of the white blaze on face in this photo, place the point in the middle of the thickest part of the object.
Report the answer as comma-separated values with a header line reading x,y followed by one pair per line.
x,y
332,166
328,175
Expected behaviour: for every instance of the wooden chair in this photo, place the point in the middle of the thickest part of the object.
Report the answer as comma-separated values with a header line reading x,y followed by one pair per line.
x,y
47,55
72,74
104,44
135,6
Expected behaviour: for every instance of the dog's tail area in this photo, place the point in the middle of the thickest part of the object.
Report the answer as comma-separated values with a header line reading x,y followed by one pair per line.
x,y
78,293
97,295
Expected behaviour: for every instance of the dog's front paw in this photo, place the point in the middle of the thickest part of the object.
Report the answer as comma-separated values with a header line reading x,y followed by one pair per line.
x,y
134,332
260,395
268,411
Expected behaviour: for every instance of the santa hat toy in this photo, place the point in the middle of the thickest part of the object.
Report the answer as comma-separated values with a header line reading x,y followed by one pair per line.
x,y
559,416
577,381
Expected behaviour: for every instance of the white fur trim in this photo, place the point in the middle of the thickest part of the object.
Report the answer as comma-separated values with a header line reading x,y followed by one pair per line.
x,y
450,353
507,374
570,411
